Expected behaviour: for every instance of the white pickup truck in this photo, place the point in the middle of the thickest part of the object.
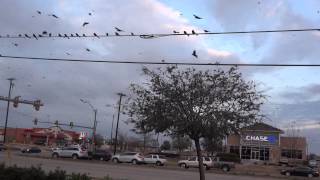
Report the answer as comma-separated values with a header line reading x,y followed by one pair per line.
x,y
154,159
207,163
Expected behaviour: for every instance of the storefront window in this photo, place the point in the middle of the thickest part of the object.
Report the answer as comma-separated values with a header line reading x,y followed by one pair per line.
x,y
245,152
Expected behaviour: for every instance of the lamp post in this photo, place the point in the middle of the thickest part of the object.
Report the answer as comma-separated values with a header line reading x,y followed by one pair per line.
x,y
95,111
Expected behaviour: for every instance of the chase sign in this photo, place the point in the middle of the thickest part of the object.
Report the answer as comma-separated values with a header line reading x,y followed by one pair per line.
x,y
258,138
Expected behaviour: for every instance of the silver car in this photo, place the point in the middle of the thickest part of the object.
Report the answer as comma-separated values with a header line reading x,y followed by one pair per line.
x,y
70,152
129,157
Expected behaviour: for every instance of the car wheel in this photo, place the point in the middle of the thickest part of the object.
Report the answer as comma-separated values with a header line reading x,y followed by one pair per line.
x,y
74,156
134,161
158,163
115,160
55,155
225,168
310,175
288,174
184,165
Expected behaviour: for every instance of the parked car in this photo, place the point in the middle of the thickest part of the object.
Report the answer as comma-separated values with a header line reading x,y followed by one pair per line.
x,y
193,162
70,152
300,171
129,157
2,147
102,155
154,159
313,163
224,165
31,150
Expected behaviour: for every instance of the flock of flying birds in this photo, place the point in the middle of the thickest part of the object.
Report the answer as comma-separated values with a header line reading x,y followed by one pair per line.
x,y
86,23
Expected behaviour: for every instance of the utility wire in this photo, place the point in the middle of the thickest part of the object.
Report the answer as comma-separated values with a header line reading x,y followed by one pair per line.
x,y
26,58
151,36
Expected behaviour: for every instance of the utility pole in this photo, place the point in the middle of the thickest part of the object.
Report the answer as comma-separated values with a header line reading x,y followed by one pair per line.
x,y
112,128
119,108
94,129
8,106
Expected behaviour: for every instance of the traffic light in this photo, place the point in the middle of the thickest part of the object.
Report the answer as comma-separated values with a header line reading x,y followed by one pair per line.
x,y
56,122
37,104
35,121
16,101
71,124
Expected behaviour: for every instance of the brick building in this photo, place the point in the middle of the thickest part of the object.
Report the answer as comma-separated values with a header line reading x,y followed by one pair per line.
x,y
262,142
48,136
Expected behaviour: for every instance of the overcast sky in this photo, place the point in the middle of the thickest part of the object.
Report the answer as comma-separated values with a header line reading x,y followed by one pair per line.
x,y
293,93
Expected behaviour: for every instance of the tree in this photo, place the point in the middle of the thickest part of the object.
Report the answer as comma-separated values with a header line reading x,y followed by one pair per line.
x,y
194,103
99,140
212,145
165,145
181,142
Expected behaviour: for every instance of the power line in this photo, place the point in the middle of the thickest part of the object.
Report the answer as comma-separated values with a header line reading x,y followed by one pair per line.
x,y
26,58
149,35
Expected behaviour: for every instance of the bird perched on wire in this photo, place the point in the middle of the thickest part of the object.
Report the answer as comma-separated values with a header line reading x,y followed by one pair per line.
x,y
107,34
66,36
77,35
83,35
185,32
87,49
176,32
53,15
39,12
50,34
35,36
119,30
132,34
96,35
71,35
20,35
194,53
193,32
206,31
84,24
27,36
117,34
44,32
59,35
197,17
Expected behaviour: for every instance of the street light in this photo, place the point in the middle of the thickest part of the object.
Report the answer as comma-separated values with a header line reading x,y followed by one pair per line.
x,y
95,111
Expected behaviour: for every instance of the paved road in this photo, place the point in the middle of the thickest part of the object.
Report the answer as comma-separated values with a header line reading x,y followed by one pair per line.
x,y
130,172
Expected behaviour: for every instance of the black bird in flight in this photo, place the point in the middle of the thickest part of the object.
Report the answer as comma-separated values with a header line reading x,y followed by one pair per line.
x,y
84,24
176,32
53,15
44,32
87,49
39,12
197,17
27,36
96,35
35,36
194,53
15,44
206,31
117,34
119,30
68,54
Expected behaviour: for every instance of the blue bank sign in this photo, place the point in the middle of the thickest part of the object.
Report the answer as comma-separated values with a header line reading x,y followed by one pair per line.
x,y
269,138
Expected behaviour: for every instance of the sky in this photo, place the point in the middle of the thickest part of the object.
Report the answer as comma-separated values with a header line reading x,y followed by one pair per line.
x,y
293,93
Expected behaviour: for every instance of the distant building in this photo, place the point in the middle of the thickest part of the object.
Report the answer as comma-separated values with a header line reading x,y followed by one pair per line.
x,y
263,142
48,136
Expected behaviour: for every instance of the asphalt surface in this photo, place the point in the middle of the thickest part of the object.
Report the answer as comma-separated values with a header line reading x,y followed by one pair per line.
x,y
119,171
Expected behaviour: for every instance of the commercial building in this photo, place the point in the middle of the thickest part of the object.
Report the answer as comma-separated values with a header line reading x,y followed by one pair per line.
x,y
49,136
262,142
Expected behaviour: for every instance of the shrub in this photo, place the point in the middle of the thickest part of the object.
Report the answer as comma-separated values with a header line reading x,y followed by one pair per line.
x,y
229,157
32,173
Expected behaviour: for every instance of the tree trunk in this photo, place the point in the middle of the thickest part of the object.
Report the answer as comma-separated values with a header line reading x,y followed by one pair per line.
x,y
201,169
